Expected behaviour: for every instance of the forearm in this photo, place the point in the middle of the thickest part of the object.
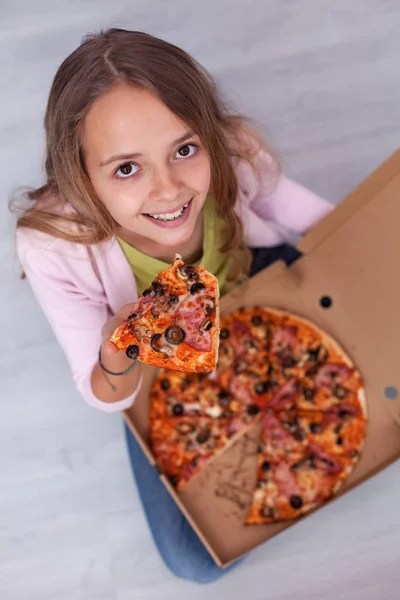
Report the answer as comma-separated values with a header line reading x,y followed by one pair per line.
x,y
111,388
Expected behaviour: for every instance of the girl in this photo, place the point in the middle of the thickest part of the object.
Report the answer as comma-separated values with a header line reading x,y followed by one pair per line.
x,y
143,161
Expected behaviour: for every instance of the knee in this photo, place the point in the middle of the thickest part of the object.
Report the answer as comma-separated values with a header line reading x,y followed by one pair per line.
x,y
195,570
202,575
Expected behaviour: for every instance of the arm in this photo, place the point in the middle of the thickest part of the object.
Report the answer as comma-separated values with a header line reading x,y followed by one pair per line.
x,y
292,206
279,199
77,320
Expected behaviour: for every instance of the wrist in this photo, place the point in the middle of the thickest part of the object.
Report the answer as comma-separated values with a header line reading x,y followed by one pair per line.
x,y
116,362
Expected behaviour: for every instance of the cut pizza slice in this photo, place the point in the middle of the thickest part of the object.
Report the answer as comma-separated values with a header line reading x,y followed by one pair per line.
x,y
175,323
340,432
180,394
289,485
300,465
184,445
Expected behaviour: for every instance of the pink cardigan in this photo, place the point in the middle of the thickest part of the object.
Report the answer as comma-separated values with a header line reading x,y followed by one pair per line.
x,y
80,287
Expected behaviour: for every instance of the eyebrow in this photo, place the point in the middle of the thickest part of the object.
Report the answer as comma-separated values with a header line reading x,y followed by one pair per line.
x,y
129,156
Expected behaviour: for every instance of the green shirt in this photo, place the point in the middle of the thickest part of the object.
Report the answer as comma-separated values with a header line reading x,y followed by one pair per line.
x,y
146,268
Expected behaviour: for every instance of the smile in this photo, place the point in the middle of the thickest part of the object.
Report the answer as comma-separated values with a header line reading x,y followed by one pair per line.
x,y
173,216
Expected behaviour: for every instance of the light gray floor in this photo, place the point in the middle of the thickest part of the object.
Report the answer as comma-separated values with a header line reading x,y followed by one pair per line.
x,y
323,77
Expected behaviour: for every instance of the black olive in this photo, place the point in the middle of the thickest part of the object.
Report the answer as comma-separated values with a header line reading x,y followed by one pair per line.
x,y
165,384
315,428
224,334
172,300
337,428
314,354
257,321
309,394
196,287
353,453
339,441
267,512
299,434
154,342
343,413
132,316
265,466
188,272
177,409
288,362
261,387
209,308
270,370
158,288
206,325
174,335
173,479
253,409
203,436
132,351
296,501
340,392
224,399
147,292
260,448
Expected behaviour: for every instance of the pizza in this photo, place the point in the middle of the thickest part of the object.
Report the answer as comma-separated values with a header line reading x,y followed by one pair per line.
x,y
175,323
284,371
191,421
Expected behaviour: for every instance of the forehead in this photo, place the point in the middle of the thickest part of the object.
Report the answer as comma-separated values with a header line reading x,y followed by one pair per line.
x,y
129,119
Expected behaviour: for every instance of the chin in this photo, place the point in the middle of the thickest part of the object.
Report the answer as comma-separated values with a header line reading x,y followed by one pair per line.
x,y
175,238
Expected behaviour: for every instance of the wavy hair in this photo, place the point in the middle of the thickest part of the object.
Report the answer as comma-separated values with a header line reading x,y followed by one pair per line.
x,y
67,206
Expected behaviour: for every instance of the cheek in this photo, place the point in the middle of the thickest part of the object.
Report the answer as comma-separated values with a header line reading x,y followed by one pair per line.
x,y
120,197
201,175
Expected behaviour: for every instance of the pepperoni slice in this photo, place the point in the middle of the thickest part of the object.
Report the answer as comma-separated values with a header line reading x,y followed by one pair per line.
x,y
190,317
286,396
284,338
324,461
286,481
332,374
275,434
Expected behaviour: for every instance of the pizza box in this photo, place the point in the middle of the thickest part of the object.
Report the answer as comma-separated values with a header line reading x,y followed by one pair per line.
x,y
351,259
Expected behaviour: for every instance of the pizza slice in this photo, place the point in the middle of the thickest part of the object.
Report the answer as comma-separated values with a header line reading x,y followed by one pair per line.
x,y
340,432
184,445
181,394
292,478
175,323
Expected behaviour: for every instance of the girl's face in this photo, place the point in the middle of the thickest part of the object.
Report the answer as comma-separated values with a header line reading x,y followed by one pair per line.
x,y
151,172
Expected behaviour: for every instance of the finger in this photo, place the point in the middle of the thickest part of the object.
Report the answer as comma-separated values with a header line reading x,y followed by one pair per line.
x,y
126,310
110,348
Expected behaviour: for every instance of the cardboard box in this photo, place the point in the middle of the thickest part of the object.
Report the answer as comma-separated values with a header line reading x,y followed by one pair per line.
x,y
352,256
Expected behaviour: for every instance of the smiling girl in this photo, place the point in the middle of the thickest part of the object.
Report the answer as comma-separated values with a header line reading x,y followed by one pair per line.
x,y
144,161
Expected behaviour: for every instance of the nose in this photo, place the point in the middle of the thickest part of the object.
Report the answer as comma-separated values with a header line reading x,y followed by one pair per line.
x,y
164,185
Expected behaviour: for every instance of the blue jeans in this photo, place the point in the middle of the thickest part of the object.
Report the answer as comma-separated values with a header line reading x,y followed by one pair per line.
x,y
178,544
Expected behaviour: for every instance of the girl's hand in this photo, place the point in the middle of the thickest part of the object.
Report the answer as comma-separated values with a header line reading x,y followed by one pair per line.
x,y
107,347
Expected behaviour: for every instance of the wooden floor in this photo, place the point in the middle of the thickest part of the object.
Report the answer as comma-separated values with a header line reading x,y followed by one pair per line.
x,y
324,78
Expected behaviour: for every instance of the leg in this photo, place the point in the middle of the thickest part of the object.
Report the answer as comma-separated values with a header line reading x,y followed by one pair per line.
x,y
263,257
178,544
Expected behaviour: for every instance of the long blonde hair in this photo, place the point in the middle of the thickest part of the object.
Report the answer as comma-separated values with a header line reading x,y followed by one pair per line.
x,y
139,59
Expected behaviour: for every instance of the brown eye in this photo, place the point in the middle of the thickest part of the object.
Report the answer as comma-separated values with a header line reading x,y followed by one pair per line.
x,y
186,151
126,170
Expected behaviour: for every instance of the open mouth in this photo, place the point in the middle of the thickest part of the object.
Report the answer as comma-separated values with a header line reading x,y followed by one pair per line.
x,y
170,216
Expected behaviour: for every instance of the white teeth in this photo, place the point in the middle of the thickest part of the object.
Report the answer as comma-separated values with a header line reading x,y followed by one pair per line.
x,y
170,216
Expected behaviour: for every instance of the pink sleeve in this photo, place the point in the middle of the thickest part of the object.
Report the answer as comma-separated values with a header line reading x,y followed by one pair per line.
x,y
75,318
292,206
281,201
